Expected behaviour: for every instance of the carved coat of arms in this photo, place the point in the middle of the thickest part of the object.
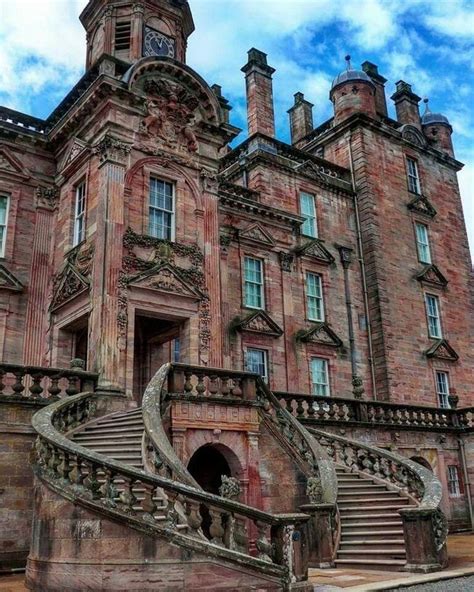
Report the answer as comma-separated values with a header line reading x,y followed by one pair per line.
x,y
170,116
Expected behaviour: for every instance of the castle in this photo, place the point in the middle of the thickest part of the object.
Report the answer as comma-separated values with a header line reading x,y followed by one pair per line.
x,y
272,345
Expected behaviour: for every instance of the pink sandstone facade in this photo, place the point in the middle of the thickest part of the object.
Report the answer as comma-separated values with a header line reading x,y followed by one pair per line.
x,y
134,236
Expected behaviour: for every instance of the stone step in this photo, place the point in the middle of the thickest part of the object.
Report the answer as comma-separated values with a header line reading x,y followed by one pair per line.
x,y
361,487
373,544
380,564
126,421
385,534
395,553
99,435
369,509
348,501
375,517
349,525
111,431
111,447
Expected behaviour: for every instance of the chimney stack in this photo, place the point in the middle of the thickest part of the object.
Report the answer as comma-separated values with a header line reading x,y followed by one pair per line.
x,y
258,79
406,104
372,72
301,118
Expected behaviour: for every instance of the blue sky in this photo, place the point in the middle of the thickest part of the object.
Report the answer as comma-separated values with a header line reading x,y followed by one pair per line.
x,y
428,43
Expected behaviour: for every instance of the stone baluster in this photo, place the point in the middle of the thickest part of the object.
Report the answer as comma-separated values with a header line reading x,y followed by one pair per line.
x,y
213,385
216,529
77,476
36,389
236,391
108,489
148,503
225,389
54,389
299,408
263,545
188,383
200,387
73,386
92,482
127,498
193,515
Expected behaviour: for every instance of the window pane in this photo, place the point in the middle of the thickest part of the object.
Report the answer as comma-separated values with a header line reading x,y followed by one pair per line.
x,y
3,209
432,310
454,487
442,389
253,282
161,211
319,377
257,362
413,177
308,211
423,246
314,297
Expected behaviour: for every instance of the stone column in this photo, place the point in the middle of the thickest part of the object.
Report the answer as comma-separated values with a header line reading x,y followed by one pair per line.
x,y
107,357
211,343
319,534
36,325
425,533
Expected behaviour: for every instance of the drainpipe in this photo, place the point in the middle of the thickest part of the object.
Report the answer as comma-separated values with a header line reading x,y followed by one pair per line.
x,y
362,270
346,260
466,480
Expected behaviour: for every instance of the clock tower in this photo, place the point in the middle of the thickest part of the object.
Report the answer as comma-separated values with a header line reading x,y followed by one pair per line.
x,y
130,30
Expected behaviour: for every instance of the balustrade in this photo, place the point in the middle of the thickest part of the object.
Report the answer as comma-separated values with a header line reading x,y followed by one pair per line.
x,y
37,383
196,381
314,409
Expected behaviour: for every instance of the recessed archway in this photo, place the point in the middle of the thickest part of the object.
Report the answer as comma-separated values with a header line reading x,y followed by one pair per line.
x,y
207,465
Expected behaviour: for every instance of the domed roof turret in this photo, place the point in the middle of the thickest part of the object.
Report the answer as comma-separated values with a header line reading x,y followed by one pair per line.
x,y
349,74
429,118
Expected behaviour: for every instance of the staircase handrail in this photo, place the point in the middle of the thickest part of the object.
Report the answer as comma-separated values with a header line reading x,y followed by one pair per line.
x,y
319,462
165,457
72,471
409,476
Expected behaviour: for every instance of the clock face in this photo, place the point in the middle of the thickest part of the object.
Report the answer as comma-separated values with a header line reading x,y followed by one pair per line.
x,y
157,44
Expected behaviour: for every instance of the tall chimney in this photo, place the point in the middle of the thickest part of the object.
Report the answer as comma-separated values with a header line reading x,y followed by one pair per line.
x,y
258,79
380,100
406,104
301,118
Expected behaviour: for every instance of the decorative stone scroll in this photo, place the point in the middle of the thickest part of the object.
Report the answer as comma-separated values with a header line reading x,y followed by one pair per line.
x,y
443,351
431,275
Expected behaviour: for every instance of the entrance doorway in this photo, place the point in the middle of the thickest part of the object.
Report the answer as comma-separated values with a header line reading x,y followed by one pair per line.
x,y
157,342
207,465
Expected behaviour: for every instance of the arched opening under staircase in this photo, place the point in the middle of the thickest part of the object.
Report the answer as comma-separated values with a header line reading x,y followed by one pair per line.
x,y
207,465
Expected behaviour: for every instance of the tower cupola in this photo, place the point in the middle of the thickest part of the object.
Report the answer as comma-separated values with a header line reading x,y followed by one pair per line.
x,y
352,91
131,29
437,129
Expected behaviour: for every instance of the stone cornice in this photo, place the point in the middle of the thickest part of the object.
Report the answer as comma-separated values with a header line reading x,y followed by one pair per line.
x,y
239,203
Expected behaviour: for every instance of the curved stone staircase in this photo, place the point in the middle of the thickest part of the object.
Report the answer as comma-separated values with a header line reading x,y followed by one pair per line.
x,y
123,466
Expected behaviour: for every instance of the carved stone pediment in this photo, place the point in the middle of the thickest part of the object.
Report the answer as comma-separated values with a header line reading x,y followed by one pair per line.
x,y
311,170
413,135
260,322
443,351
8,281
75,149
322,334
316,250
68,285
431,275
256,234
422,205
10,164
165,278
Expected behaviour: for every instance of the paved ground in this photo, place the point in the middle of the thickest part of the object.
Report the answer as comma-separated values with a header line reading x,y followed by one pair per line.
x,y
455,585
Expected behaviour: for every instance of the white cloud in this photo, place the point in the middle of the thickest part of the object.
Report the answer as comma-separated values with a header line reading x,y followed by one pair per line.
x,y
466,186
